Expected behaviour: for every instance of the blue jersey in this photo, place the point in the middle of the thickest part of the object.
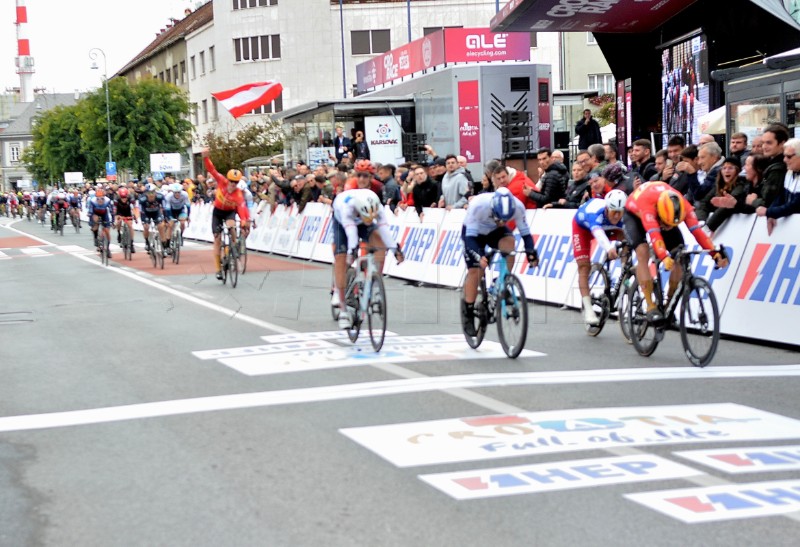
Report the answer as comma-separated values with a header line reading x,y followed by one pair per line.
x,y
479,220
592,216
100,206
178,200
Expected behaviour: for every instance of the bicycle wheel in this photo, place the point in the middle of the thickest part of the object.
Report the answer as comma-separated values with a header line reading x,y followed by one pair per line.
x,y
699,323
512,317
623,305
75,224
233,260
376,312
126,242
480,320
644,336
152,251
599,290
352,302
103,247
158,250
242,254
175,243
224,253
61,222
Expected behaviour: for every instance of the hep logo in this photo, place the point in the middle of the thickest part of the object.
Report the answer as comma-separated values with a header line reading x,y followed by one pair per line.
x,y
384,130
478,41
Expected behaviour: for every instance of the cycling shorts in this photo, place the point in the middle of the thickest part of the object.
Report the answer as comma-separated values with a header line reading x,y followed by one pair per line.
x,y
105,219
176,214
340,236
492,239
155,216
219,217
636,234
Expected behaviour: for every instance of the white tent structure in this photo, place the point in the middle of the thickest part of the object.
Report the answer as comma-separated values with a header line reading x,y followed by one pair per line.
x,y
713,123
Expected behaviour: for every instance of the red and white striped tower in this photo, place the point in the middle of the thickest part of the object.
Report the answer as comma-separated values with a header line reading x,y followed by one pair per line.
x,y
24,61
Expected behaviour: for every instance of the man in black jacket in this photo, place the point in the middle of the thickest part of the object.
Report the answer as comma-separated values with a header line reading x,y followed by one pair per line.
x,y
553,184
426,192
644,164
588,131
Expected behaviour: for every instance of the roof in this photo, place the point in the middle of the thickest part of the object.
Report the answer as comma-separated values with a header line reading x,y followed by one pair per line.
x,y
21,126
198,18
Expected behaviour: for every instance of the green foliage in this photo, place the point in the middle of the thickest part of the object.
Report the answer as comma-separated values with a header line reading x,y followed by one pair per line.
x,y
147,117
229,150
607,113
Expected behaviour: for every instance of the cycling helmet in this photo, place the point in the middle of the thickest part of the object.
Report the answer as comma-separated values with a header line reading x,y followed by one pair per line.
x,y
26,194
615,200
100,193
367,205
502,205
670,208
91,193
364,166
62,195
151,188
41,194
176,187
123,192
234,175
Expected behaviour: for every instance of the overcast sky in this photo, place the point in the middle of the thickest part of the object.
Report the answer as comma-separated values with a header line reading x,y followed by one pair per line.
x,y
62,33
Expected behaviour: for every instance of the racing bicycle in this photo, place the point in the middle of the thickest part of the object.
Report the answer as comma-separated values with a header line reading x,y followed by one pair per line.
x,y
175,242
500,300
154,247
608,296
241,243
228,257
699,313
125,240
365,298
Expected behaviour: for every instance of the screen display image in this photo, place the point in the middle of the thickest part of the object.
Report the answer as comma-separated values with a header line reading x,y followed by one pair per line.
x,y
684,87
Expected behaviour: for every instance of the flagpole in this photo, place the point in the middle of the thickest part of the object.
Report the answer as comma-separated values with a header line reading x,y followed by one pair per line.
x,y
344,74
408,5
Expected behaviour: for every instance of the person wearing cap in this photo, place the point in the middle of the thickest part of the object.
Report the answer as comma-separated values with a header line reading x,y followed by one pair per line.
x,y
300,193
728,183
616,178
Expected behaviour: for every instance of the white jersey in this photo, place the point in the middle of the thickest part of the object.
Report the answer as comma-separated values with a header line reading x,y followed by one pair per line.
x,y
346,214
479,219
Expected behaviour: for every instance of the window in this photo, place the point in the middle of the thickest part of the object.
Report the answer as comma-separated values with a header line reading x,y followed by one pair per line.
x,y
214,110
533,40
431,30
176,75
183,71
211,58
367,42
192,67
161,76
202,63
257,47
270,108
590,39
603,83
14,152
244,4
168,75
205,111
195,119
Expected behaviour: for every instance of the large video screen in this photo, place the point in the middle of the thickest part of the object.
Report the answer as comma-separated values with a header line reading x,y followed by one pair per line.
x,y
684,87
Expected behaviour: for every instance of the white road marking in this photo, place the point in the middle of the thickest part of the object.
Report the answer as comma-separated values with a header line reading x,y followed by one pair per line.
x,y
374,389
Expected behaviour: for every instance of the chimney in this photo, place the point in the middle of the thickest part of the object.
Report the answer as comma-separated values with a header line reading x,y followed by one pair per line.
x,y
24,60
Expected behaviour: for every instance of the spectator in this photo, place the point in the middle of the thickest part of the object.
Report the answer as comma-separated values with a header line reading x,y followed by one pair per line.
x,y
577,190
598,185
300,192
738,146
786,202
612,158
644,164
616,179
664,166
341,145
360,147
455,186
425,192
684,168
709,159
675,145
597,154
704,139
757,147
322,190
473,184
391,189
727,184
772,141
754,167
553,183
588,131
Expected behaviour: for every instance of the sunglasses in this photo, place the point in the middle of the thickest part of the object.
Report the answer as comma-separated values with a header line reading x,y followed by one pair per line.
x,y
363,175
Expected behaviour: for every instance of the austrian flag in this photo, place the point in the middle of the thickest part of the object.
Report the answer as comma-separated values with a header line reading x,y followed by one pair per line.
x,y
243,99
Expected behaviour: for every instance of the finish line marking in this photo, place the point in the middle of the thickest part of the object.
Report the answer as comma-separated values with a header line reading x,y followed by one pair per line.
x,y
374,389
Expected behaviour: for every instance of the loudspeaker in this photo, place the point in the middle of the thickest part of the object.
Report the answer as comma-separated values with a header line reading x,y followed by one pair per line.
x,y
517,146
414,147
515,117
515,131
561,139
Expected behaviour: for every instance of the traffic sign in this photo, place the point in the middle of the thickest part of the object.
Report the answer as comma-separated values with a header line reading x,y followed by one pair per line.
x,y
111,170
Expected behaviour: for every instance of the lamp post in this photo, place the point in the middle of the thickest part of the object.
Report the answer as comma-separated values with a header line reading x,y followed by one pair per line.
x,y
93,56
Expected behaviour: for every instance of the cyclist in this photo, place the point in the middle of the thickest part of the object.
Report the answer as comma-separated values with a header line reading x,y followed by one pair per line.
x,y
151,207
486,223
125,210
228,200
27,202
99,211
12,204
177,208
75,206
593,219
656,209
358,216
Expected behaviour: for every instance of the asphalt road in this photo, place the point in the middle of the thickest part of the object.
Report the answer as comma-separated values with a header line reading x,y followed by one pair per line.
x,y
143,407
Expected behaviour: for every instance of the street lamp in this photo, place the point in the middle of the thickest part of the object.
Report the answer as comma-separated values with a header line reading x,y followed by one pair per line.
x,y
93,56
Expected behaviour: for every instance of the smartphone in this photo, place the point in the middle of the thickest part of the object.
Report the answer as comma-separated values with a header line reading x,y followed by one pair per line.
x,y
669,162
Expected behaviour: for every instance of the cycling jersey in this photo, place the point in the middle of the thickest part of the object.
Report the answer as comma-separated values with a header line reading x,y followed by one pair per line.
x,y
151,207
643,204
480,222
60,204
74,201
591,220
223,199
125,208
348,219
178,201
41,201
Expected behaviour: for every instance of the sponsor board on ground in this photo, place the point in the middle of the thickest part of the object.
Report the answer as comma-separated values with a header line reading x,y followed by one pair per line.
x,y
532,433
548,477
751,459
727,502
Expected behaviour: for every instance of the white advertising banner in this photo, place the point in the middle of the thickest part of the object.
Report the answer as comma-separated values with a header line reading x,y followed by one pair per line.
x,y
320,155
384,138
535,433
310,229
165,163
73,177
764,300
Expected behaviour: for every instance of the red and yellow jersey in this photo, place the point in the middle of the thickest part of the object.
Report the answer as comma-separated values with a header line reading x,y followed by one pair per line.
x,y
224,200
643,203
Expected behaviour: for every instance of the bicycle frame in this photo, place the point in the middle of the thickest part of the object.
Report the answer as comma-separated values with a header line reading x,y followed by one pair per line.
x,y
364,267
495,285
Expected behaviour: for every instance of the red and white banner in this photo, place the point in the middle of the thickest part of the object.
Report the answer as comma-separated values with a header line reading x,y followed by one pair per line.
x,y
469,121
244,99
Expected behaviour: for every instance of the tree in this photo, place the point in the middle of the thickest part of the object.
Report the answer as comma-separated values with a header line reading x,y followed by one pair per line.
x,y
229,150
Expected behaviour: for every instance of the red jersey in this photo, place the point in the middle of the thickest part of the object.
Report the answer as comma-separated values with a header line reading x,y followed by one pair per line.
x,y
643,203
224,200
